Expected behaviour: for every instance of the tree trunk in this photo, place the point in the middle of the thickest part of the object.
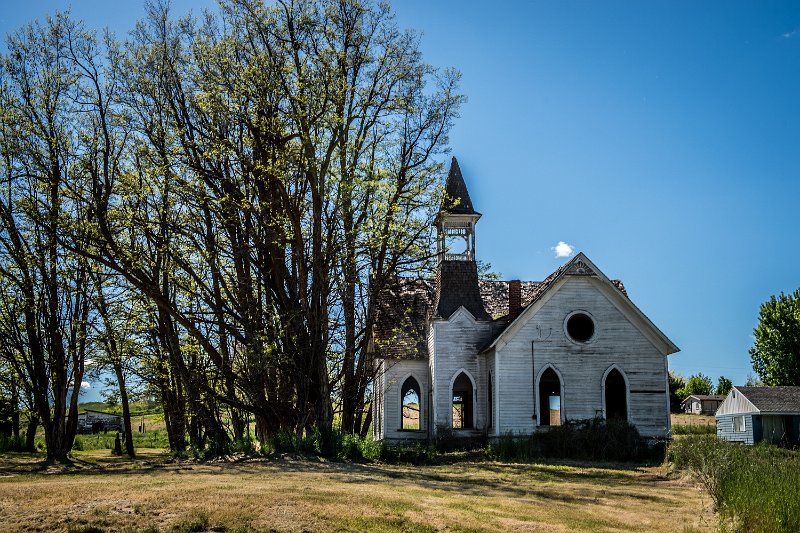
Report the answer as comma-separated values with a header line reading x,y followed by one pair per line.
x,y
30,432
126,411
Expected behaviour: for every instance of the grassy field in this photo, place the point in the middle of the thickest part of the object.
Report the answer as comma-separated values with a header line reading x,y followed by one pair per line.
x,y
153,491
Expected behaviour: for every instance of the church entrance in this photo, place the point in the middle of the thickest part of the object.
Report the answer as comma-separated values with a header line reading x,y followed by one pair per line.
x,y
549,399
616,396
462,402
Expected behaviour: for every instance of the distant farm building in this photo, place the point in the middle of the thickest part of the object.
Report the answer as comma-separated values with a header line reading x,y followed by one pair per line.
x,y
91,421
755,414
702,404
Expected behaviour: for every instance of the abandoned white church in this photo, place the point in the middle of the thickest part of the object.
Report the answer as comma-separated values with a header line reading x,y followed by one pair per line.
x,y
488,358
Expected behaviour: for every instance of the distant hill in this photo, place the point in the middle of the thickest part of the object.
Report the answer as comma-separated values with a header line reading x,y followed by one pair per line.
x,y
137,408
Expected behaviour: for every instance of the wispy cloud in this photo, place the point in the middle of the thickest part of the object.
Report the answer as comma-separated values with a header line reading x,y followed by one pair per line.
x,y
563,249
86,385
791,34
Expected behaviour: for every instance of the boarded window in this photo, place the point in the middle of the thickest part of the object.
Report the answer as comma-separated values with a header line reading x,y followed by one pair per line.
x,y
738,424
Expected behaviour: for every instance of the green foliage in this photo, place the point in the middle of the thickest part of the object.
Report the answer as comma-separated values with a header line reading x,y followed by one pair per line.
x,y
776,352
12,444
676,382
697,384
754,488
334,445
694,429
724,386
595,439
753,381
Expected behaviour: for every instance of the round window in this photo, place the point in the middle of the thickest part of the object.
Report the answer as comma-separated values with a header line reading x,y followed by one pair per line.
x,y
580,327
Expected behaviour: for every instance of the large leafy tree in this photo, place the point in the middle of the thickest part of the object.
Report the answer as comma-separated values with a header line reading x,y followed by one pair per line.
x,y
776,352
46,304
724,386
218,205
697,384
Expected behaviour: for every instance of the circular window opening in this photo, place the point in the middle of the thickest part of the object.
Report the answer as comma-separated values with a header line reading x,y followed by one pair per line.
x,y
580,327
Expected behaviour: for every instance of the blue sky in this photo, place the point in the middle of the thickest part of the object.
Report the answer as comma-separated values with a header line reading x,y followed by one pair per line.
x,y
662,139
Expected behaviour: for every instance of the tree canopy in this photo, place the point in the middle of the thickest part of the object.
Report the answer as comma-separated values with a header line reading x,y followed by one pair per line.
x,y
696,384
776,352
213,206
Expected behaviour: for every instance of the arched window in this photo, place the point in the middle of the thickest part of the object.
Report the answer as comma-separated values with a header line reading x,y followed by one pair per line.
x,y
462,402
549,399
616,396
411,404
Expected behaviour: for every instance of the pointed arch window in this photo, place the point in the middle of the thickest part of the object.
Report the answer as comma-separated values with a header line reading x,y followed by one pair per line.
x,y
615,396
549,398
462,402
411,403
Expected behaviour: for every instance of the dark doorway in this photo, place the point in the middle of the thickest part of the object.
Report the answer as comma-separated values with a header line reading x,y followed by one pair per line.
x,y
549,399
410,405
616,396
462,402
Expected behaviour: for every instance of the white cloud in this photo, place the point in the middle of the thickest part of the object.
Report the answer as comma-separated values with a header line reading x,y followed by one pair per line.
x,y
86,385
563,249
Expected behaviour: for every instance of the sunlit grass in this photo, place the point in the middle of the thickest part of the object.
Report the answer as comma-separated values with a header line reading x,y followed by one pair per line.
x,y
257,494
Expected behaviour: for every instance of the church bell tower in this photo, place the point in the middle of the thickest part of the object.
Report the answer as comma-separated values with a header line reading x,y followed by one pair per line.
x,y
457,270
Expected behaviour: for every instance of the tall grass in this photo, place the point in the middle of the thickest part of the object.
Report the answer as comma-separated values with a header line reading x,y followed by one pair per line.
x,y
156,438
595,439
694,429
754,488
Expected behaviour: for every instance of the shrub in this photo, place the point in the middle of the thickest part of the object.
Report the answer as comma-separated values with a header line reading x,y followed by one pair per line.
x,y
754,488
594,439
12,443
416,453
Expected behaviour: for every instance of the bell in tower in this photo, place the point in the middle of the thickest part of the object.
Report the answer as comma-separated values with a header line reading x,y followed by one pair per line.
x,y
457,272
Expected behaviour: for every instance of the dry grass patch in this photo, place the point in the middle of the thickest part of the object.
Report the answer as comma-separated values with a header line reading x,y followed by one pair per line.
x,y
292,495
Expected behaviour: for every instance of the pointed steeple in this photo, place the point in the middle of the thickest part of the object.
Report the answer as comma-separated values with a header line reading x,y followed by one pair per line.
x,y
456,197
457,272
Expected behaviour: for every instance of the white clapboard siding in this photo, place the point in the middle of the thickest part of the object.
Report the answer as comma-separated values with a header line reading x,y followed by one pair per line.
x,y
736,403
456,342
395,374
616,341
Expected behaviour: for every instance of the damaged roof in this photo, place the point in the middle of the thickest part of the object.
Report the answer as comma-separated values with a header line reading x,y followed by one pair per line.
x,y
405,311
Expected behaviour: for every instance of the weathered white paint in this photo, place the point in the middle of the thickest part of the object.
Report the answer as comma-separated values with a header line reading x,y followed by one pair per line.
x,y
618,339
624,339
455,348
736,403
395,373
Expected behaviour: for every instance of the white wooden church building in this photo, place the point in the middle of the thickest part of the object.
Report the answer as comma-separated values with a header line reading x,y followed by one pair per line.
x,y
479,357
